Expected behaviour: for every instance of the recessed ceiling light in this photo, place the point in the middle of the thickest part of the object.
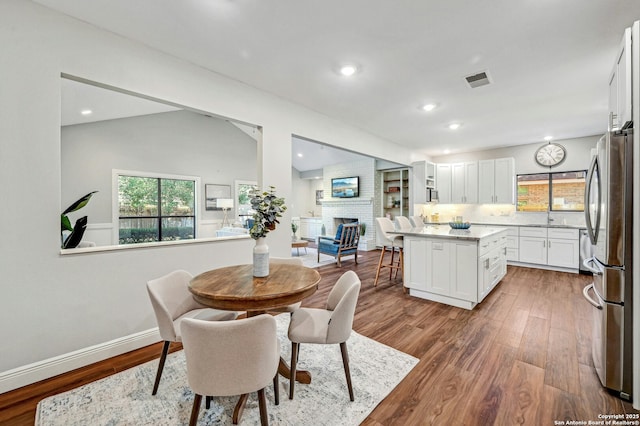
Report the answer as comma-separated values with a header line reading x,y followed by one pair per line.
x,y
548,138
86,112
446,151
348,70
300,154
454,126
429,107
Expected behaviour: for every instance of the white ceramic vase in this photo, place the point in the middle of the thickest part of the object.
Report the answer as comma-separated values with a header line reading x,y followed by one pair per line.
x,y
261,258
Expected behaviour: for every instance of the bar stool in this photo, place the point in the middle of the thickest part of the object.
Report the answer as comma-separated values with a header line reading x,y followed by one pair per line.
x,y
393,243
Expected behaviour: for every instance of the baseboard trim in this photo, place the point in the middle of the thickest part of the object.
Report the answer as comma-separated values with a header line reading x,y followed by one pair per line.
x,y
31,373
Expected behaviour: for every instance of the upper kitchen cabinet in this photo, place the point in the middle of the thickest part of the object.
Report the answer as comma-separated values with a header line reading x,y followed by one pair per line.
x,y
443,176
430,175
496,181
423,178
464,183
620,86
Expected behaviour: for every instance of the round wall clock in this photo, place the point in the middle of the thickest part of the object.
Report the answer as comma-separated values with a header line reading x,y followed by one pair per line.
x,y
550,155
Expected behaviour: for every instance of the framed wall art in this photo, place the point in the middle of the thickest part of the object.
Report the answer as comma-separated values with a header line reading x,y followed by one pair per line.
x,y
213,192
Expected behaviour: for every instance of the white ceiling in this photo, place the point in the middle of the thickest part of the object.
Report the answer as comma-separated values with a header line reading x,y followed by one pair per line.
x,y
549,60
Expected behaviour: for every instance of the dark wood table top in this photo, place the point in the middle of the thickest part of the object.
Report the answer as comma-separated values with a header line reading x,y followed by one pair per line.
x,y
235,288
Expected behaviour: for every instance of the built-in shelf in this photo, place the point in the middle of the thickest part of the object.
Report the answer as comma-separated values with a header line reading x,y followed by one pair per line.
x,y
396,202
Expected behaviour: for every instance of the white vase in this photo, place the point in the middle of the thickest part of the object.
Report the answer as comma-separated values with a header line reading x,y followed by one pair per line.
x,y
261,258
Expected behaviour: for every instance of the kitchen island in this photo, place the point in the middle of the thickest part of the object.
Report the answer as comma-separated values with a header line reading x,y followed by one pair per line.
x,y
458,267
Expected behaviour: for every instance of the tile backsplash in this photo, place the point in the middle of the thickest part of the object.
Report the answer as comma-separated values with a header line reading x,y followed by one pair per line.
x,y
498,214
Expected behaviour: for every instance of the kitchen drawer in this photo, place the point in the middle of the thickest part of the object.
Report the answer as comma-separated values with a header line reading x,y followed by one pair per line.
x,y
526,231
564,233
487,244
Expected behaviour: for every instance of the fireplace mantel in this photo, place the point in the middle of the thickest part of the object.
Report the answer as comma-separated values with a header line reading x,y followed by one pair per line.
x,y
347,201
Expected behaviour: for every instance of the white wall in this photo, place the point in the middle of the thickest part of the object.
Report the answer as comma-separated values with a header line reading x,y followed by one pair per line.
x,y
178,143
303,196
578,155
52,305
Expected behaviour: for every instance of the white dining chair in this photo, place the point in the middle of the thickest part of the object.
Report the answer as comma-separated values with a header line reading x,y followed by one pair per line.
x,y
331,325
227,358
172,302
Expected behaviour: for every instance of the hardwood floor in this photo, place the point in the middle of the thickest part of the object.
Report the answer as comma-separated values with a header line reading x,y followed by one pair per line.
x,y
520,357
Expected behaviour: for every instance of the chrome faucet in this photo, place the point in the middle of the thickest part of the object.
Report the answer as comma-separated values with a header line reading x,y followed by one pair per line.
x,y
312,213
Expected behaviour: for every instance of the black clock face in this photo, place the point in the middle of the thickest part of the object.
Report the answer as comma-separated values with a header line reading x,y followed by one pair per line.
x,y
550,155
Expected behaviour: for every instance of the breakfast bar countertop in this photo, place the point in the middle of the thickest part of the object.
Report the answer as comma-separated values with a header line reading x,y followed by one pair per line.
x,y
475,232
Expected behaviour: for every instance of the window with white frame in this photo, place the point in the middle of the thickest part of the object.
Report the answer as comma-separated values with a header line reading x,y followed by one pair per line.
x,y
155,208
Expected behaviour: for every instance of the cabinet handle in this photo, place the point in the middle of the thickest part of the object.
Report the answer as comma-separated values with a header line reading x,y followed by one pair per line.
x,y
549,244
544,243
486,263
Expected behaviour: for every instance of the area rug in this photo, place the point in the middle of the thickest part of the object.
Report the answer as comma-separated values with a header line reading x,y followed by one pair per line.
x,y
125,398
310,257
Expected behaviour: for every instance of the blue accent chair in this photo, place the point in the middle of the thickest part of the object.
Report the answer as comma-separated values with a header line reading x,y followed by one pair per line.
x,y
344,244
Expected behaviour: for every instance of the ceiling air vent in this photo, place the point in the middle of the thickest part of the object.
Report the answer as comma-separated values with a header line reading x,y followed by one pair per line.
x,y
477,80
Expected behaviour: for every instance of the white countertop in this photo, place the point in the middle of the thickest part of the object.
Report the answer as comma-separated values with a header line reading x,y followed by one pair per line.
x,y
475,232
534,225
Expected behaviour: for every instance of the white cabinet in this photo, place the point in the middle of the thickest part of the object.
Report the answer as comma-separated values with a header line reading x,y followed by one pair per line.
x,y
513,243
620,85
496,181
443,179
464,183
310,227
491,268
457,272
552,246
563,247
439,263
448,270
430,175
464,277
423,177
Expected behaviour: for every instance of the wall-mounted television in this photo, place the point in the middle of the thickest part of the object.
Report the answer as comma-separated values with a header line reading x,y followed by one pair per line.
x,y
345,187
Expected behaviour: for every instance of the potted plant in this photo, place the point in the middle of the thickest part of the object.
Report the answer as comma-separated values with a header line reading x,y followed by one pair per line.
x,y
267,209
294,229
76,231
363,229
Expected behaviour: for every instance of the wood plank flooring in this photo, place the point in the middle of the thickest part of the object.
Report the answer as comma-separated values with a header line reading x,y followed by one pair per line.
x,y
520,357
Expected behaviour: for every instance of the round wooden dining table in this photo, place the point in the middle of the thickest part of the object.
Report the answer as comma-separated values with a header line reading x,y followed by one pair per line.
x,y
234,288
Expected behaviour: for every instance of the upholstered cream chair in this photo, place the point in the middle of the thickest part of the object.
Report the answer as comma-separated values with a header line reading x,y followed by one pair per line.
x,y
389,242
286,261
172,302
417,221
326,326
226,358
403,223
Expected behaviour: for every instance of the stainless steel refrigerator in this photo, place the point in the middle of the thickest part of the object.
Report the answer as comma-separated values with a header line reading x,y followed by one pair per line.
x,y
609,213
